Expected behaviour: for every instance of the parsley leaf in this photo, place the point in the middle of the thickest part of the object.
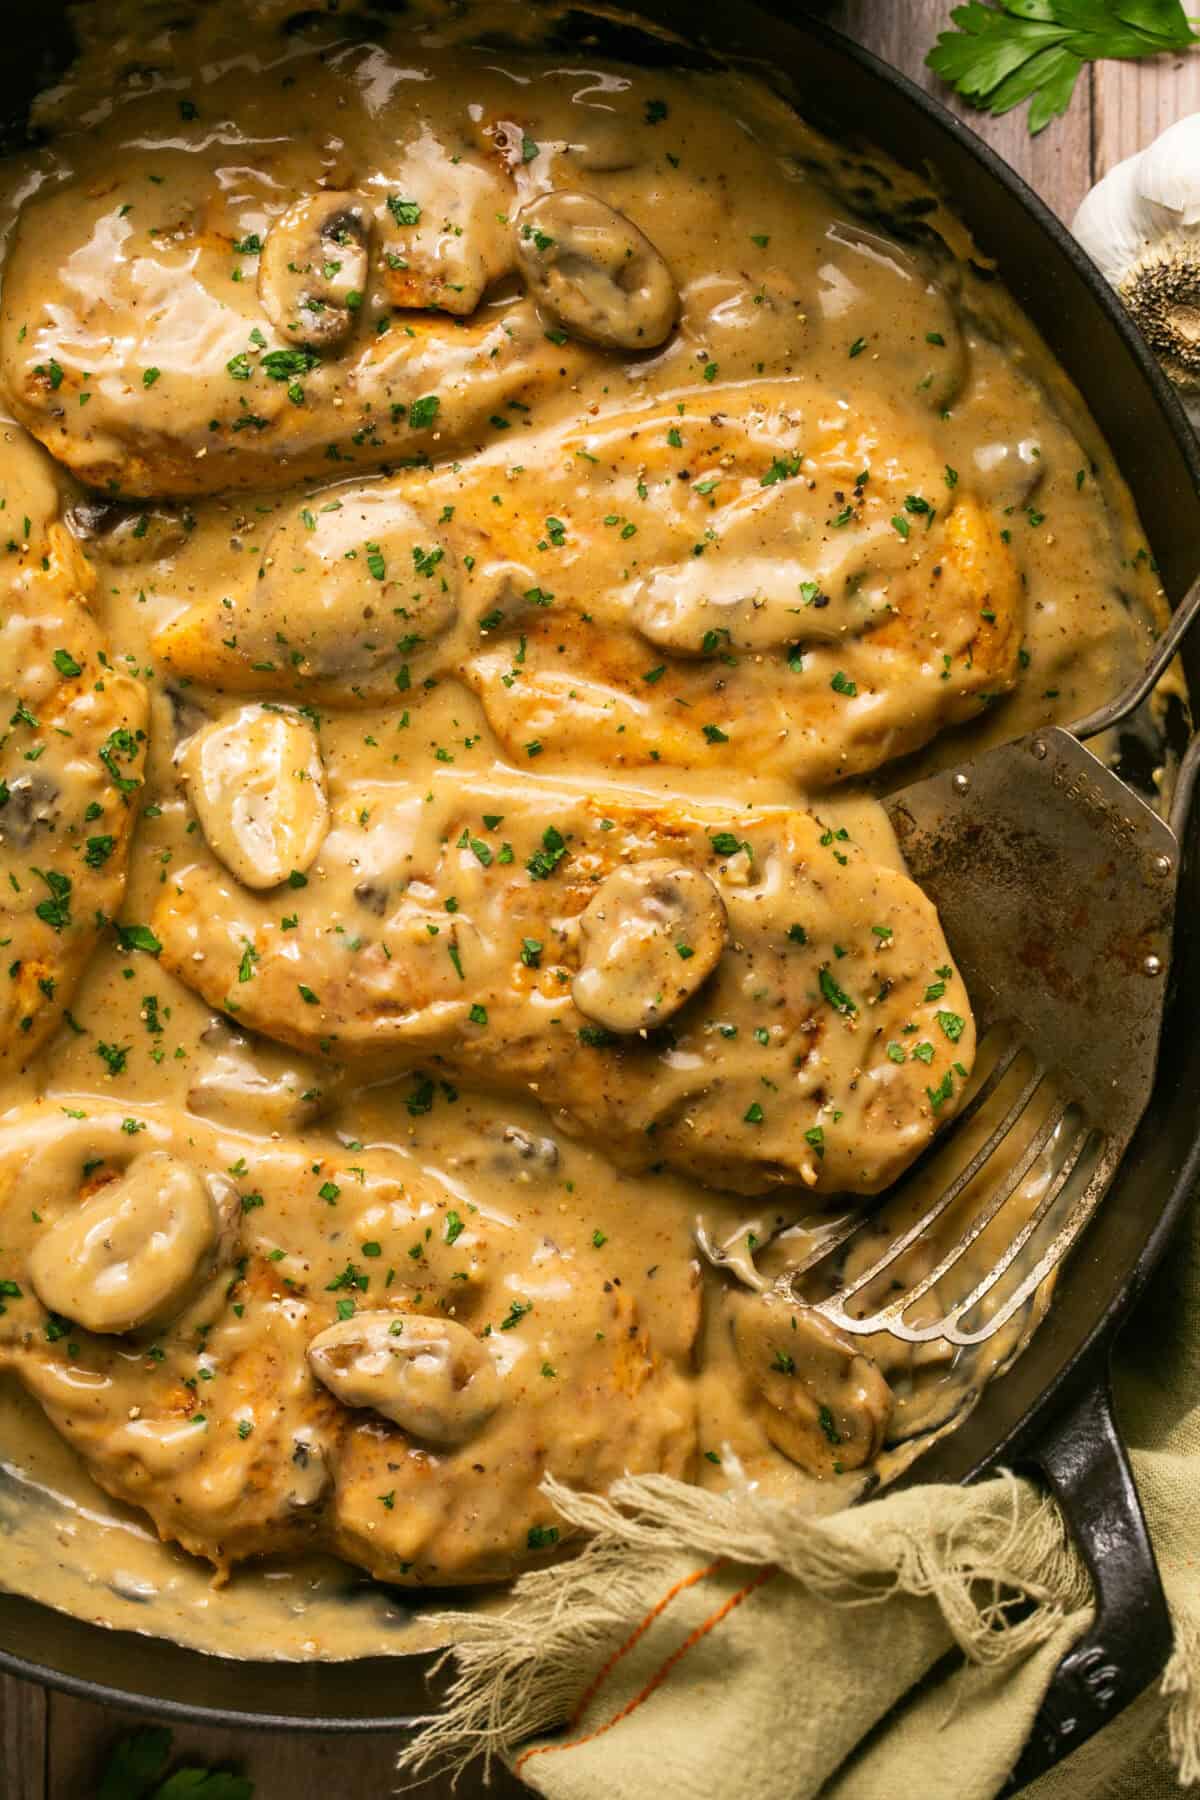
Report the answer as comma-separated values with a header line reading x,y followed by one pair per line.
x,y
137,1763
997,56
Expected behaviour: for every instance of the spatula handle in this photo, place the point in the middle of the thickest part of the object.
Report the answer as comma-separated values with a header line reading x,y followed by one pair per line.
x,y
1127,1644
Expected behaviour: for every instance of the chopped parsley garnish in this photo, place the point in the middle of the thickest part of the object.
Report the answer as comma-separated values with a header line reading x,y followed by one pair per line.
x,y
825,1421
285,365
542,864
138,937
120,744
56,911
423,412
836,996
782,469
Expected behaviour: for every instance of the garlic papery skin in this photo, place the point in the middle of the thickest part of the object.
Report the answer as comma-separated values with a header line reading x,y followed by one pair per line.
x,y
1141,225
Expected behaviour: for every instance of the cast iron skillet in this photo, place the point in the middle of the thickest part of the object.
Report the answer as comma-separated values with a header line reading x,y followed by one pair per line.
x,y
1052,1410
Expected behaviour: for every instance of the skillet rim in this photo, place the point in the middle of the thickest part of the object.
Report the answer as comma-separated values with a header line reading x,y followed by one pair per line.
x,y
1085,1364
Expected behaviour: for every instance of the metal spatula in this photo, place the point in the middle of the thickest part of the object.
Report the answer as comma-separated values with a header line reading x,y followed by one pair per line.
x,y
1056,890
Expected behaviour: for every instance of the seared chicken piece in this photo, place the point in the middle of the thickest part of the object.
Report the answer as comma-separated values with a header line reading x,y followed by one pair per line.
x,y
785,586
473,1512
745,998
195,383
789,587
355,598
449,236
258,1413
71,761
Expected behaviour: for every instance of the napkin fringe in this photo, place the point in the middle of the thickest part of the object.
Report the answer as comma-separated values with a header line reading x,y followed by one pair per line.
x,y
995,1559
1181,1687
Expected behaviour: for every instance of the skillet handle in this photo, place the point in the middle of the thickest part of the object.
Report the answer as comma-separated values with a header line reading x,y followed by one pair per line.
x,y
1085,1464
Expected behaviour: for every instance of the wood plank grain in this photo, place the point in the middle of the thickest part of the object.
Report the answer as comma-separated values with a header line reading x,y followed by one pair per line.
x,y
22,1740
1135,101
1056,164
296,1767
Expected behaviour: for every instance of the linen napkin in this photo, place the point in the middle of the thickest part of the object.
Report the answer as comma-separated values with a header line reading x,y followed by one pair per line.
x,y
707,1644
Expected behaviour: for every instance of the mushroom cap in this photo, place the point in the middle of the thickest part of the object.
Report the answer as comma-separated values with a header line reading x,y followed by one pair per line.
x,y
817,1397
353,584
133,1251
313,269
652,934
257,783
432,1377
595,271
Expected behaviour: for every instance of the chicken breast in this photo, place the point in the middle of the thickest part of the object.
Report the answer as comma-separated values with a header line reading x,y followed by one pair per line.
x,y
784,585
71,764
788,586
754,1001
158,345
230,1425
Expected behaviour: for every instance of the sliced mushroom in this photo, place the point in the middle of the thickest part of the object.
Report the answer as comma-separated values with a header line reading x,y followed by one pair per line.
x,y
429,1376
313,270
30,808
257,783
521,1156
177,716
818,1398
255,1084
595,271
1007,474
128,534
901,304
734,1251
350,584
652,935
133,1252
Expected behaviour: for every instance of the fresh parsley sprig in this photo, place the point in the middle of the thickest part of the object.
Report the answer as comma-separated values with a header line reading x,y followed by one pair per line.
x,y
137,1763
996,56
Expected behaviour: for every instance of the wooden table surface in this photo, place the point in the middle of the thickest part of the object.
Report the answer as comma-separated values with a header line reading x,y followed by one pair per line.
x,y
51,1745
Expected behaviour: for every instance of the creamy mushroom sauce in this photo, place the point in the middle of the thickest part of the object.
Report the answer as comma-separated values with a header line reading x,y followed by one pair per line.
x,y
522,486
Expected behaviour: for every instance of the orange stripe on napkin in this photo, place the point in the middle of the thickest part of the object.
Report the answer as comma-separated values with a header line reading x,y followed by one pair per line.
x,y
660,1675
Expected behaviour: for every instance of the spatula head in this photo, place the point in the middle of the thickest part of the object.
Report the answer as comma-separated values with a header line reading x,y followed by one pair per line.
x,y
1056,890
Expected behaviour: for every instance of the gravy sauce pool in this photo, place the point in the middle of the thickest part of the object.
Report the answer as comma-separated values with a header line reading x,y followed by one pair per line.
x,y
577,491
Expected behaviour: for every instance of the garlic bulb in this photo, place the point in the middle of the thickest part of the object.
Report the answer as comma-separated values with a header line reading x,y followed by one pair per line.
x,y
1141,224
